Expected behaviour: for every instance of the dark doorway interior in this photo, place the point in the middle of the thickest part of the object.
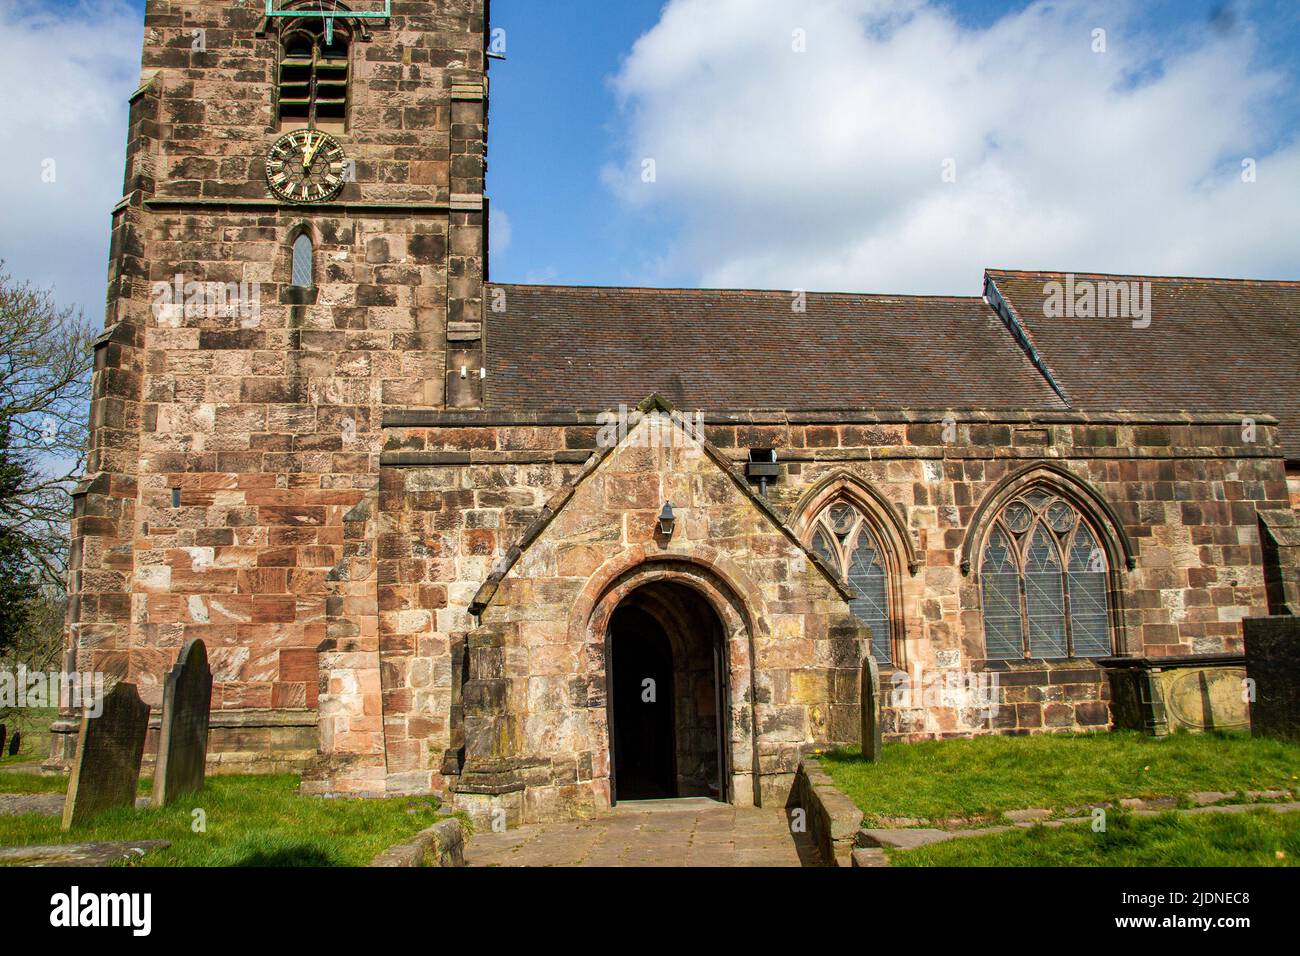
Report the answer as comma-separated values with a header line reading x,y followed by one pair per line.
x,y
644,731
668,737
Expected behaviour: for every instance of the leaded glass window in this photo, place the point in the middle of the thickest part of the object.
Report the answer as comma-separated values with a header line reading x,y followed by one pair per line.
x,y
844,539
302,262
1004,622
1044,583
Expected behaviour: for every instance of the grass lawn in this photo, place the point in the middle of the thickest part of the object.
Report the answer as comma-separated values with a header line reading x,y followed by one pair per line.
x,y
1218,839
21,782
983,776
34,724
251,821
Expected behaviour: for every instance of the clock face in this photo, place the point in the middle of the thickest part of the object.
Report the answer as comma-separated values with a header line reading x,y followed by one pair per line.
x,y
305,166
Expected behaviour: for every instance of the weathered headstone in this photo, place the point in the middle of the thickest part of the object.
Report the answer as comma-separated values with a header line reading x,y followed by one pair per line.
x,y
1273,664
15,742
110,748
870,709
183,738
2,738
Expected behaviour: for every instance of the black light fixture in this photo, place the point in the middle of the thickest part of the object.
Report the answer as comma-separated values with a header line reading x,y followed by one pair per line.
x,y
762,468
667,519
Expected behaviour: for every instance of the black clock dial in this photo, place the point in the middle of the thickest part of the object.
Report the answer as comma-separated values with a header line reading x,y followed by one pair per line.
x,y
305,166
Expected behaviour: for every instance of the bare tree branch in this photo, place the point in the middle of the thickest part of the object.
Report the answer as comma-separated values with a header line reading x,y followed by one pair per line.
x,y
45,387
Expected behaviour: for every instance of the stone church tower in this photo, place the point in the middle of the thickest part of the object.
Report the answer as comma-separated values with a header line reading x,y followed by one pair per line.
x,y
268,298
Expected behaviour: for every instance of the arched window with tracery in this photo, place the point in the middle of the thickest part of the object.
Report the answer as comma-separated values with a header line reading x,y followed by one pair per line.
x,y
844,538
1044,582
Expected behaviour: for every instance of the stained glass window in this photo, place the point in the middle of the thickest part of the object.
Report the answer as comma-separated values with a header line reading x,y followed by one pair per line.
x,y
844,540
1044,583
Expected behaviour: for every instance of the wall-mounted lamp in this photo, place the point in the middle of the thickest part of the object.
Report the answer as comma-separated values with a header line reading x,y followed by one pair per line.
x,y
762,468
667,519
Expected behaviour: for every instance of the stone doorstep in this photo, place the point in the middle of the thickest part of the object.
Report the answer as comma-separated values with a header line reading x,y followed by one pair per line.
x,y
910,839
698,804
442,844
78,854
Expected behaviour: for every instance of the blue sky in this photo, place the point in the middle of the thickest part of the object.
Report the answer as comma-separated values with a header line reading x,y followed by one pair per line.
x,y
818,168
557,122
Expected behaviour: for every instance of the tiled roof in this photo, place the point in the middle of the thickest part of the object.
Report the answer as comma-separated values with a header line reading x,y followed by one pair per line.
x,y
1213,346
569,347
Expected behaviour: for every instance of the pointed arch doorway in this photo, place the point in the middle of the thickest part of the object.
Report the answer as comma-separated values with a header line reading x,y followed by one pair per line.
x,y
666,696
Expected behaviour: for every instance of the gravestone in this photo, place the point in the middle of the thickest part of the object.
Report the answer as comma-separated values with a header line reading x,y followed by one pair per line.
x,y
183,737
870,709
2,738
1273,664
15,742
110,748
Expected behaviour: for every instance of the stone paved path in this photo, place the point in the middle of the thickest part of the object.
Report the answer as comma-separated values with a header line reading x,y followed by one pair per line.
x,y
78,854
686,832
44,804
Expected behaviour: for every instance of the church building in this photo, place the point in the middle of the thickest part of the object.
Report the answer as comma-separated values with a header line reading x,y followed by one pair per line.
x,y
544,548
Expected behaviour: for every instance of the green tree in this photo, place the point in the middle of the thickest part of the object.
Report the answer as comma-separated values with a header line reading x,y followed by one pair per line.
x,y
17,589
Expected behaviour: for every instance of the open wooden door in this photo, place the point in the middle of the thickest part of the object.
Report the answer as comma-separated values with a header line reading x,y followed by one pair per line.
x,y
721,709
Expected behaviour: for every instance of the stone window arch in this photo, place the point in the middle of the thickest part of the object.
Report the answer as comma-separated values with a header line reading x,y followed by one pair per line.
x,y
844,538
1045,579
868,551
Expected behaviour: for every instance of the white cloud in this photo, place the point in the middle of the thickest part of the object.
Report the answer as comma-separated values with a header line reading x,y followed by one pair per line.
x,y
822,169
500,232
66,73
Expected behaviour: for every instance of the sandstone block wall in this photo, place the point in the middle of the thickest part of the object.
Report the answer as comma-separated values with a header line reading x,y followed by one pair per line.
x,y
1183,493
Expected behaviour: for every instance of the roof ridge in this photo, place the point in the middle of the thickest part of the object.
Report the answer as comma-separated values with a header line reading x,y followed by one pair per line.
x,y
681,290
1138,275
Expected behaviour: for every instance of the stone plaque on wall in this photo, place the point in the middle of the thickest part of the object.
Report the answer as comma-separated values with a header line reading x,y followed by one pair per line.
x,y
183,736
110,748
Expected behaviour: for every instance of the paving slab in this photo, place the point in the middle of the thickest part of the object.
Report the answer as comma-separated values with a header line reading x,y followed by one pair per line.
x,y
44,804
78,854
652,833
